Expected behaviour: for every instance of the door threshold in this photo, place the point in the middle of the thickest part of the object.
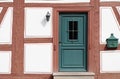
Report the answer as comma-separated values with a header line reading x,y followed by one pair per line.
x,y
73,75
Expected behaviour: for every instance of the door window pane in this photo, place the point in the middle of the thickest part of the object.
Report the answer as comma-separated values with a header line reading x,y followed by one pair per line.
x,y
73,30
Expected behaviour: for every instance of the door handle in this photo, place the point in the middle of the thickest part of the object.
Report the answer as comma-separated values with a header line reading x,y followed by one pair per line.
x,y
60,42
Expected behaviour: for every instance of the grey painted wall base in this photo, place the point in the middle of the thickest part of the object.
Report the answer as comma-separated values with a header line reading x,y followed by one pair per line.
x,y
73,75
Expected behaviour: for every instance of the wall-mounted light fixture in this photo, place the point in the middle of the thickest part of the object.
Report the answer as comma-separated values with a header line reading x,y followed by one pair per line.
x,y
112,42
48,16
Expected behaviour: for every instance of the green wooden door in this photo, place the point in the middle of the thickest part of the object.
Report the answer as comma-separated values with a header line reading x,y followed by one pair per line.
x,y
72,42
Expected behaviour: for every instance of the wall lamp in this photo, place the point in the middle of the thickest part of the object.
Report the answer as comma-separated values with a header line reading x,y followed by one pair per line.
x,y
112,41
48,16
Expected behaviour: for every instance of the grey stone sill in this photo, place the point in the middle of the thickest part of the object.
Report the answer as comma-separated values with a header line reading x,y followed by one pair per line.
x,y
73,74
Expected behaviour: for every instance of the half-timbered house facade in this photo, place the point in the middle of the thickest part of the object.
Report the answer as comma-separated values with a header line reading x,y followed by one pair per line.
x,y
59,39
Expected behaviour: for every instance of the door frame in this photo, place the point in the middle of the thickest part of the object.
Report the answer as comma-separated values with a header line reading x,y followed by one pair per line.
x,y
56,11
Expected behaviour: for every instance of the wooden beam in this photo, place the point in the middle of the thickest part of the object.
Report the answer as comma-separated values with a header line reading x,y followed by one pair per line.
x,y
38,40
92,2
94,47
110,4
26,76
55,40
5,47
2,14
57,5
18,39
6,4
116,14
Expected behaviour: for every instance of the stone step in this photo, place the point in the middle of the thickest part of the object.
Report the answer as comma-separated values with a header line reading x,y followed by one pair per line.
x,y
73,75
